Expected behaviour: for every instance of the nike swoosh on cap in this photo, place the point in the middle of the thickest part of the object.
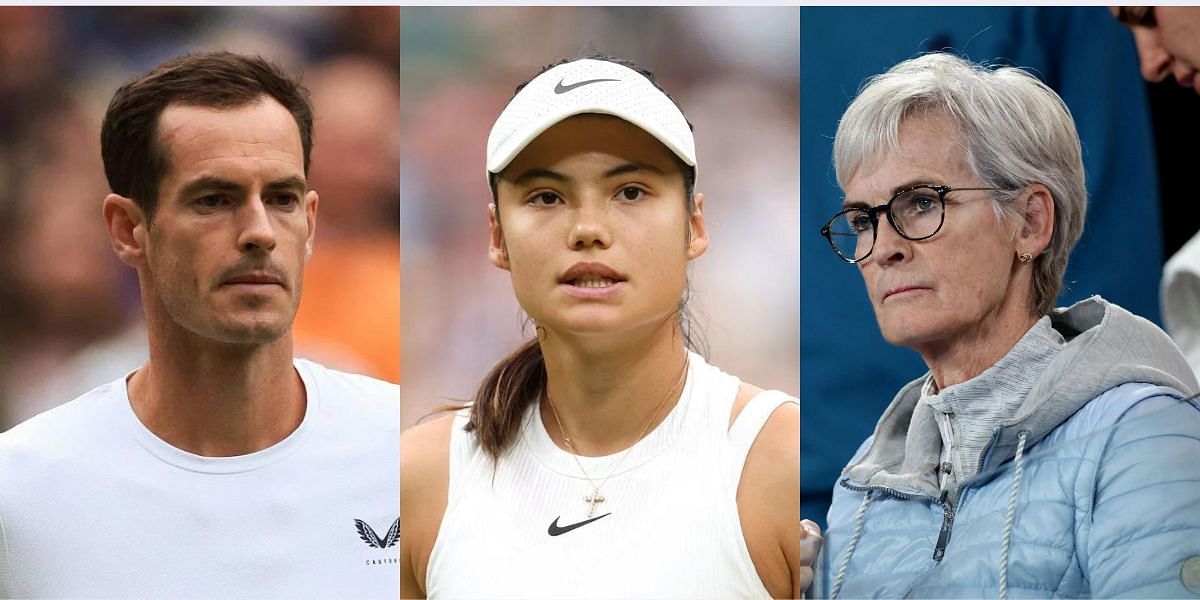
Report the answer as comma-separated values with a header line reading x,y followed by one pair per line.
x,y
559,88
556,530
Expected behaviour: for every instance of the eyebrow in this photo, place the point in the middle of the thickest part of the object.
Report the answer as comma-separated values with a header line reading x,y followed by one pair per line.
x,y
538,174
288,183
632,167
209,183
622,169
220,184
911,183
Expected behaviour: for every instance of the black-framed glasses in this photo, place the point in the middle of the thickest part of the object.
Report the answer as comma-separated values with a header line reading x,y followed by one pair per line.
x,y
916,213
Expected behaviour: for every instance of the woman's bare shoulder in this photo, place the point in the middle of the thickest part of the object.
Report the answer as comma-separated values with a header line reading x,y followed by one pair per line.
x,y
779,422
425,452
424,487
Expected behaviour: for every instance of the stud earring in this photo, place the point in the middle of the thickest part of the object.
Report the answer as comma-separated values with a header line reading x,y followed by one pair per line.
x,y
1025,258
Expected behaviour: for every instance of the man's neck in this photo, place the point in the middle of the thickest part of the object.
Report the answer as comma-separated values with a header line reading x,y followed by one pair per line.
x,y
607,394
215,399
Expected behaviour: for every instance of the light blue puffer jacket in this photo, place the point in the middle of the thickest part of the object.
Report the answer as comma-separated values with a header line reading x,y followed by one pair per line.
x,y
1086,482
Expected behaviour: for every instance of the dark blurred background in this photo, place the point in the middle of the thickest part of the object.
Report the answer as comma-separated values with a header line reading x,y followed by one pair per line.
x,y
70,316
735,72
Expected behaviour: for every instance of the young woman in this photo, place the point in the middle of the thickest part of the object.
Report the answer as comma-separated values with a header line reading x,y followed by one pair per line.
x,y
603,458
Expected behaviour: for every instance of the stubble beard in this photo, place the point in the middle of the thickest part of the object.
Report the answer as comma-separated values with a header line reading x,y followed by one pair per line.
x,y
251,322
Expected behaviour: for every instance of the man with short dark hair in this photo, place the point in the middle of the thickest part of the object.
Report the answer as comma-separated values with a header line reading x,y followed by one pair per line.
x,y
224,467
1167,39
1168,43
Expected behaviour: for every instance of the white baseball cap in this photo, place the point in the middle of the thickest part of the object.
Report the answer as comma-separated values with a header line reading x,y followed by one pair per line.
x,y
587,86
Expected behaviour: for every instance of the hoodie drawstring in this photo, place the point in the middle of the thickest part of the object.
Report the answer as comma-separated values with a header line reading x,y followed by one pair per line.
x,y
1009,517
858,525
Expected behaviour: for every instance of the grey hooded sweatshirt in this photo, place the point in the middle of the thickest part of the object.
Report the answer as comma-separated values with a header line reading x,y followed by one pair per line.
x,y
1055,396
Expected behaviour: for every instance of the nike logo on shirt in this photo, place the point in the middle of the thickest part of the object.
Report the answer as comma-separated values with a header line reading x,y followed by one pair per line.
x,y
559,88
556,530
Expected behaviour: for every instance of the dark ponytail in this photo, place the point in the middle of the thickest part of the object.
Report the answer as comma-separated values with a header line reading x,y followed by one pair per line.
x,y
512,385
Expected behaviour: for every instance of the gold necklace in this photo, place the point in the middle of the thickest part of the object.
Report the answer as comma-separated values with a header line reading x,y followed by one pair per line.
x,y
595,497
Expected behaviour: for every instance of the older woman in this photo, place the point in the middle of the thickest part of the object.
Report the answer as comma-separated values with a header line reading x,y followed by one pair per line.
x,y
1047,452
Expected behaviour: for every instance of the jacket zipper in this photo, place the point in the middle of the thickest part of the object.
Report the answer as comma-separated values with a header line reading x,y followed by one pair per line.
x,y
939,550
867,488
943,540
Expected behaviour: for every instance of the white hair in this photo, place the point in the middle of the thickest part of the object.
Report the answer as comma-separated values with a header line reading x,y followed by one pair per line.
x,y
1014,129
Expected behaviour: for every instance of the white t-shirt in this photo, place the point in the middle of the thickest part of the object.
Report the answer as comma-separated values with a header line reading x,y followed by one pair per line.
x,y
94,505
668,527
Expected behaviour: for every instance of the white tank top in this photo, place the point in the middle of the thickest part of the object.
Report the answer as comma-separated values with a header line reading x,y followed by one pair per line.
x,y
670,527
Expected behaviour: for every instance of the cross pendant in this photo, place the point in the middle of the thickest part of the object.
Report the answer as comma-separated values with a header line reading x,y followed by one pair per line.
x,y
593,500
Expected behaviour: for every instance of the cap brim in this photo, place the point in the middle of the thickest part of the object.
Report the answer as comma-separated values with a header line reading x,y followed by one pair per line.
x,y
595,87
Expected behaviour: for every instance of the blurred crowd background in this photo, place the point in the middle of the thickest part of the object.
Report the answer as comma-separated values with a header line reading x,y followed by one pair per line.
x,y
735,72
70,315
